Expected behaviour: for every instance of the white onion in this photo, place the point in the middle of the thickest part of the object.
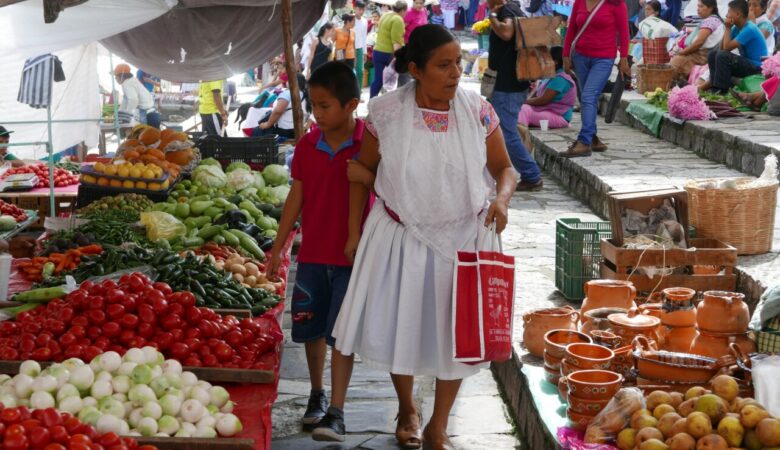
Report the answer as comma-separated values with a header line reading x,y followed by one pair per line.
x,y
168,425
200,394
110,361
102,375
110,405
192,410
41,400
188,427
170,404
218,396
126,368
82,377
229,425
101,388
135,355
108,423
172,366
71,404
72,363
151,355
23,385
30,368
135,416
8,400
89,401
206,422
153,410
147,426
121,384
188,378
205,432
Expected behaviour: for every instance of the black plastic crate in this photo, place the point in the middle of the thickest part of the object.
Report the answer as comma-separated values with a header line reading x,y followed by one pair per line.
x,y
255,151
88,193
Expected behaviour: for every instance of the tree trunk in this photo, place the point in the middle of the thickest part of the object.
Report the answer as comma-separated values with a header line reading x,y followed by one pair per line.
x,y
292,70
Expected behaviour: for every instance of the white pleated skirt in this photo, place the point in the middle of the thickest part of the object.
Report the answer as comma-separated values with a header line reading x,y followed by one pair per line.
x,y
397,313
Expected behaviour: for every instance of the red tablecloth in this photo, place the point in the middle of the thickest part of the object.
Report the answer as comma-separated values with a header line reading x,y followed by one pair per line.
x,y
72,189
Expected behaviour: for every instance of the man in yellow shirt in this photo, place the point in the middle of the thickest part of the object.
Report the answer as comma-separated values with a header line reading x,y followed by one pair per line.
x,y
212,111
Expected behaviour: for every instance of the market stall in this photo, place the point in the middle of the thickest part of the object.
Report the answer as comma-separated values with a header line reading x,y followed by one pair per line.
x,y
208,323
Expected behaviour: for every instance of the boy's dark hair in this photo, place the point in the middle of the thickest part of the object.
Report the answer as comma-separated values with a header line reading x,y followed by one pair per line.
x,y
338,79
740,6
360,5
656,5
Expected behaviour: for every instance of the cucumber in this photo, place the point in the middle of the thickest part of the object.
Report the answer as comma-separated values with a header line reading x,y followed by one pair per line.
x,y
209,231
230,238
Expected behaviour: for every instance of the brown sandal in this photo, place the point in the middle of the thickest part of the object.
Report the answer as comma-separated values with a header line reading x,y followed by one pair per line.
x,y
430,443
409,435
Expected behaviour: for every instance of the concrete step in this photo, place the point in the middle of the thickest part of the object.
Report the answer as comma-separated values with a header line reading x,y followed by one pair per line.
x,y
636,161
737,143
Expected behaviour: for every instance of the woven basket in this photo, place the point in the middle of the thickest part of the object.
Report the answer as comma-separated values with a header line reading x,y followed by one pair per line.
x,y
654,51
652,76
743,218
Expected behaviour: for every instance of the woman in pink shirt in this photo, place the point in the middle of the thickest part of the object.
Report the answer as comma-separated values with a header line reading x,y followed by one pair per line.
x,y
591,46
413,18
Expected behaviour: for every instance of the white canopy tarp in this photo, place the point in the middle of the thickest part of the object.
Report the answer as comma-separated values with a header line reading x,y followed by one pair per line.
x,y
78,97
25,34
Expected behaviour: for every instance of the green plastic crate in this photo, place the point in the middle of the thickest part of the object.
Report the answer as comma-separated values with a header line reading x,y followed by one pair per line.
x,y
578,254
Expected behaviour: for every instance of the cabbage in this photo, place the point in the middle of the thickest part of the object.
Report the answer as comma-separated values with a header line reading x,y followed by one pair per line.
x,y
237,165
279,193
240,179
259,180
209,176
210,162
276,175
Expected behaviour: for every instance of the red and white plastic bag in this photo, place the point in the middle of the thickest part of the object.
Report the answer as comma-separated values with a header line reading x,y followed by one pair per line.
x,y
482,302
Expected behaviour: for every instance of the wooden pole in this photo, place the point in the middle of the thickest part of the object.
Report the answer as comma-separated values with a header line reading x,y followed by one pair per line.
x,y
292,70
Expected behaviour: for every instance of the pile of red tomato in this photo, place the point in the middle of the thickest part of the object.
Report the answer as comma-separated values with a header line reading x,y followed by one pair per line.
x,y
48,429
134,313
7,209
62,177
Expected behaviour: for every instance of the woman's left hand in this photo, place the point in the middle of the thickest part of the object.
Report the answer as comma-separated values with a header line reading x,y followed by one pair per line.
x,y
498,212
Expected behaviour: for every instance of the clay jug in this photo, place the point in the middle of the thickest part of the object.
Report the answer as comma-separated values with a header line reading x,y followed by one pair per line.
x,y
596,319
723,312
632,324
677,339
608,294
678,308
715,345
538,323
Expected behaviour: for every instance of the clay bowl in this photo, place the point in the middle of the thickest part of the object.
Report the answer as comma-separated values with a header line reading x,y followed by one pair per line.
x,y
551,361
578,421
563,388
555,341
594,384
588,356
587,407
551,375
567,368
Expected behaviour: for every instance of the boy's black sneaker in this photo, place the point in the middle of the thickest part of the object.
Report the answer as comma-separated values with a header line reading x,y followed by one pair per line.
x,y
315,411
331,427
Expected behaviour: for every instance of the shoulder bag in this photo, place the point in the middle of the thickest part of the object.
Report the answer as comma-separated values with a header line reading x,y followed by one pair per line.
x,y
585,25
533,37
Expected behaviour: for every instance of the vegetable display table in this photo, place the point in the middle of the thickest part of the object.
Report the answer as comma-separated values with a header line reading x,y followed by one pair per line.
x,y
38,200
32,217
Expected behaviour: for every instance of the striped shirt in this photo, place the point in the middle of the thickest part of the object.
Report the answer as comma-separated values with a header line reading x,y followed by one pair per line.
x,y
38,75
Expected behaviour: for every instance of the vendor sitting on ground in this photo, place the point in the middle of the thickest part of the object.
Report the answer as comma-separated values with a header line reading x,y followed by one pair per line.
x,y
745,36
698,44
768,93
5,156
553,99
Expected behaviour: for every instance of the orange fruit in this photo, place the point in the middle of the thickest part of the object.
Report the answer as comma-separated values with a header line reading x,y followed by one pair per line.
x,y
115,183
150,136
102,181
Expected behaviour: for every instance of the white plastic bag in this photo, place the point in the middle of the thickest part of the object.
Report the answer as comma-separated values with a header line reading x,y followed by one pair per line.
x,y
390,77
765,383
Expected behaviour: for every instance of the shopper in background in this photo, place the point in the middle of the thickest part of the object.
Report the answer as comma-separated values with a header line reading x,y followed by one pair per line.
x,y
449,8
149,81
744,35
361,34
413,18
136,100
344,42
212,111
698,44
5,156
390,38
597,30
757,14
509,94
281,120
321,48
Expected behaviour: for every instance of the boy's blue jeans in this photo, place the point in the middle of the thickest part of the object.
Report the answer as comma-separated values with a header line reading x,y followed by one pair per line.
x,y
592,76
507,106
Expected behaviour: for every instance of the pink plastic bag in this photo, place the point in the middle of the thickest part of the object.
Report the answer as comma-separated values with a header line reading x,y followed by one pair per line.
x,y
572,439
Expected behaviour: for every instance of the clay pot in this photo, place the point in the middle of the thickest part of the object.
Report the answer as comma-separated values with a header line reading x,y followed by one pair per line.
x,y
578,421
596,319
722,312
588,356
606,338
608,294
551,361
594,384
678,308
677,339
563,388
567,369
652,309
551,375
632,324
715,345
555,341
586,407
623,362
538,323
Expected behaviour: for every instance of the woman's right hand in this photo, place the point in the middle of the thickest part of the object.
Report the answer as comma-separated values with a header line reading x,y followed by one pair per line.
x,y
272,267
350,249
567,64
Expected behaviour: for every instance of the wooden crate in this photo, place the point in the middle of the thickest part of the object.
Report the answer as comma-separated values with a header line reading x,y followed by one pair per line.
x,y
619,262
211,374
644,201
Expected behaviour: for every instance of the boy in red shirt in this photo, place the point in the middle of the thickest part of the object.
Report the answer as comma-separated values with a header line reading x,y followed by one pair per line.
x,y
320,195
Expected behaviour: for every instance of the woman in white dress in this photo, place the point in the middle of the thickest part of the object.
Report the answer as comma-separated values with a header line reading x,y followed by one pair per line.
x,y
439,156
